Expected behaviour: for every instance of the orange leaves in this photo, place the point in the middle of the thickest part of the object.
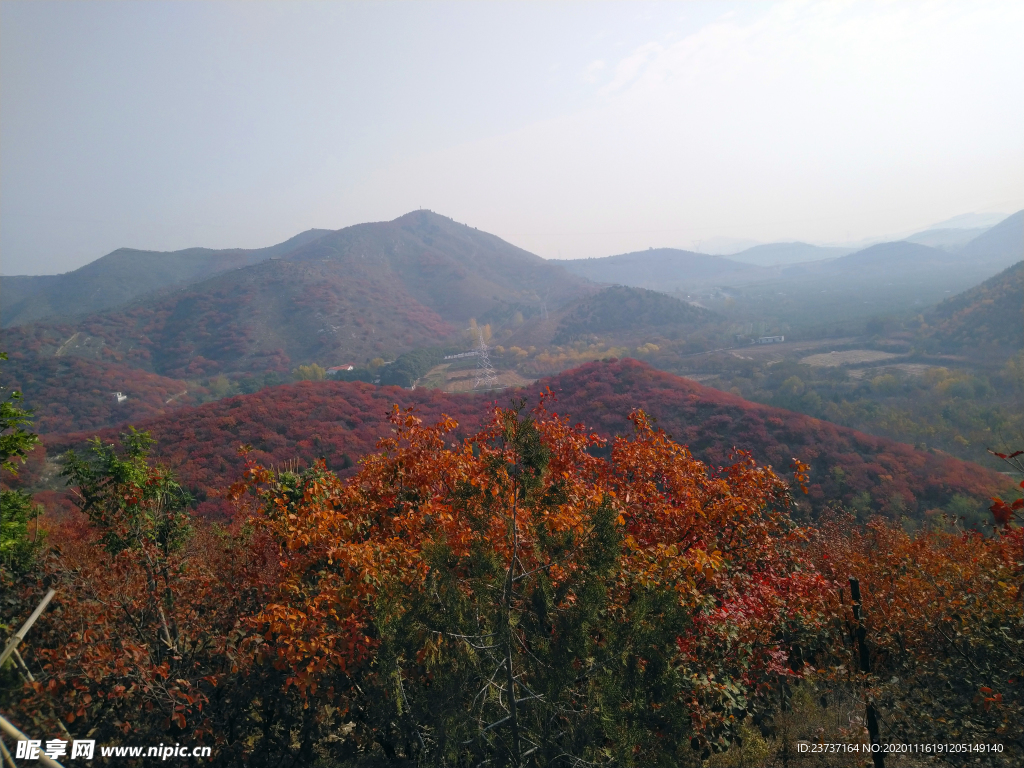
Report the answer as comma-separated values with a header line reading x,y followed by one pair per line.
x,y
801,473
347,546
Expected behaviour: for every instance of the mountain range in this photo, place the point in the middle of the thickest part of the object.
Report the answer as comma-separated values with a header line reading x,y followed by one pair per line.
x,y
776,254
361,292
414,284
672,270
124,275
664,269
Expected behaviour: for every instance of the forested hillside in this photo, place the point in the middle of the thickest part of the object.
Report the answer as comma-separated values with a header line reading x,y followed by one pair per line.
x,y
340,421
984,321
124,275
620,310
73,393
373,290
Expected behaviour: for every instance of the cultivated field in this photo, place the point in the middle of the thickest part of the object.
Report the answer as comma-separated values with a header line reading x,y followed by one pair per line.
x,y
847,357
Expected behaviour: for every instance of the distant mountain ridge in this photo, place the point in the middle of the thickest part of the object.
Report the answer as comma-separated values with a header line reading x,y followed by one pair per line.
x,y
947,239
998,247
364,291
883,260
124,275
775,254
848,286
663,269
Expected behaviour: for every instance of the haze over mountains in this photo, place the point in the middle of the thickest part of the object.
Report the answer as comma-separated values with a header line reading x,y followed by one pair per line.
x,y
123,275
197,325
664,269
669,269
379,289
774,254
364,291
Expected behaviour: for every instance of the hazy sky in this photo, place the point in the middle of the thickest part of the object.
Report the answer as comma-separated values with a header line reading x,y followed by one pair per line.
x,y
572,129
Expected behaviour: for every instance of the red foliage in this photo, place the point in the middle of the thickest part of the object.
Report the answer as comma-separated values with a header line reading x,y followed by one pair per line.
x,y
73,393
337,421
341,422
898,477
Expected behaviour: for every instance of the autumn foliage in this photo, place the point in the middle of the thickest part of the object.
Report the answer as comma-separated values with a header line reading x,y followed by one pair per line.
x,y
945,626
517,549
525,593
510,595
341,421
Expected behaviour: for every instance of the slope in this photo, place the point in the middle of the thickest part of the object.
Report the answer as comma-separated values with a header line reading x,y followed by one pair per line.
x,y
124,275
884,260
269,316
361,292
774,254
998,247
621,310
947,239
456,270
984,321
664,269
340,421
69,393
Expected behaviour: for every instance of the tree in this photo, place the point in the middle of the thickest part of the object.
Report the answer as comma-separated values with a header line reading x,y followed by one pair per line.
x,y
311,372
16,507
517,599
943,624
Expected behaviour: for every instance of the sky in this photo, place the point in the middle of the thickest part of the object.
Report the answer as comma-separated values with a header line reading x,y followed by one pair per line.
x,y
571,129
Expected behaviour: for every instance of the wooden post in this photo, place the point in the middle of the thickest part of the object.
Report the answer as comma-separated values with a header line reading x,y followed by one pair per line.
x,y
20,634
17,735
8,760
27,674
860,639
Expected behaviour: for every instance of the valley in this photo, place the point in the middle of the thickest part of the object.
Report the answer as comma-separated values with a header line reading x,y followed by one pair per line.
x,y
407,302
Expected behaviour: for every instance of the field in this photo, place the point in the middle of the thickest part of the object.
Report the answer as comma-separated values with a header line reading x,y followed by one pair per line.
x,y
458,377
847,357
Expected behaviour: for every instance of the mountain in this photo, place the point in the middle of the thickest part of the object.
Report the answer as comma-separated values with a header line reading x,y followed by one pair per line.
x,y
726,246
999,247
361,292
993,250
947,239
774,254
341,421
984,321
629,311
662,269
882,260
456,270
124,275
970,221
